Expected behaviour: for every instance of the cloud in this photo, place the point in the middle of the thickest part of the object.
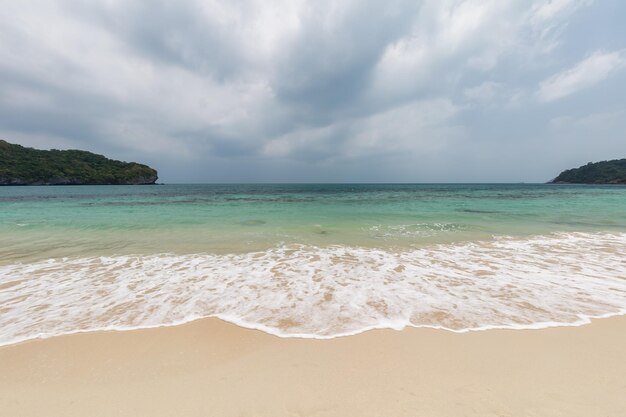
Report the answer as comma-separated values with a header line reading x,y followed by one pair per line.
x,y
483,92
211,89
588,72
550,9
419,127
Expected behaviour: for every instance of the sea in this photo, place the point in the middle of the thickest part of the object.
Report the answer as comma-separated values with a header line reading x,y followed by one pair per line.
x,y
310,260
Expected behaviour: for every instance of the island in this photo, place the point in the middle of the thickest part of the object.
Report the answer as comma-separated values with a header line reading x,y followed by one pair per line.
x,y
20,165
604,172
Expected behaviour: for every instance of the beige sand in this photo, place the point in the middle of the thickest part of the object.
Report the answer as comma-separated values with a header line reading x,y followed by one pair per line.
x,y
212,368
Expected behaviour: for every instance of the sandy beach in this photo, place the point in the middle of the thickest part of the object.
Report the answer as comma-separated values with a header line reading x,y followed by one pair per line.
x,y
213,368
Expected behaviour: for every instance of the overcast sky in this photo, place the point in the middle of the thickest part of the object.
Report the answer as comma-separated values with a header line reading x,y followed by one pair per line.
x,y
317,91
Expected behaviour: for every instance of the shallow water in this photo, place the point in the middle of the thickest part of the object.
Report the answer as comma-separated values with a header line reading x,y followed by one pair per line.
x,y
309,260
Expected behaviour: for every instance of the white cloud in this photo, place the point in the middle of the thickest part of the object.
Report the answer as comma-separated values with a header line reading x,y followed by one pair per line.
x,y
585,74
418,127
483,92
445,38
449,38
594,122
549,9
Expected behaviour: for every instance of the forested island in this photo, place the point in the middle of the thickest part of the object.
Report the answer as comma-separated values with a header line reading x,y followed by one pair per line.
x,y
27,166
605,172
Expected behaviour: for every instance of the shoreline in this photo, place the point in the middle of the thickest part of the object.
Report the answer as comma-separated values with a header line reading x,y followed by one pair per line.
x,y
324,292
211,367
584,321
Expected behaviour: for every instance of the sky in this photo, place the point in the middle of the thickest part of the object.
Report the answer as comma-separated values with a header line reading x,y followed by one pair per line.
x,y
320,91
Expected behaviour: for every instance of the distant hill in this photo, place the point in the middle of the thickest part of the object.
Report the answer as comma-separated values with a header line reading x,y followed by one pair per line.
x,y
28,166
605,172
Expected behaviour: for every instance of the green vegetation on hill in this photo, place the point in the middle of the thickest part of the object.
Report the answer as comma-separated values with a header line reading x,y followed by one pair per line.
x,y
605,172
28,166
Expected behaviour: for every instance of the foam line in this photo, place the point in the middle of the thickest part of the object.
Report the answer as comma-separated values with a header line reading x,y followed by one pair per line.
x,y
325,292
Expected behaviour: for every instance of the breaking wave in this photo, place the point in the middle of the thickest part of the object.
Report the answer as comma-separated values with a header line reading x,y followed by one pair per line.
x,y
325,292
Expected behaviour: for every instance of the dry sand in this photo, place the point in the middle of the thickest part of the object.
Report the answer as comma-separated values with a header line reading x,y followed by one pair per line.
x,y
212,368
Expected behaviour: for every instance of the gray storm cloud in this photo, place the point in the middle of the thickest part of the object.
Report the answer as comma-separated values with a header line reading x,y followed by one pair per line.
x,y
320,91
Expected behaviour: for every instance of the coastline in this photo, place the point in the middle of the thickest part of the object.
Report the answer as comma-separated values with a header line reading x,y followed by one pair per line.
x,y
211,367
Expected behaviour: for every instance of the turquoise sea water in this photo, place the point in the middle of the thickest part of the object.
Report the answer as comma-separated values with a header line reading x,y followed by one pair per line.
x,y
313,260
39,222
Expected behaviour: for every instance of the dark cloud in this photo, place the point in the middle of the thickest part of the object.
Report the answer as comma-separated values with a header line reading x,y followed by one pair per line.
x,y
319,91
169,34
331,60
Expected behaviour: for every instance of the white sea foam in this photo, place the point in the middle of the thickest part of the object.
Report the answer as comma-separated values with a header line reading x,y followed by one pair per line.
x,y
416,230
306,291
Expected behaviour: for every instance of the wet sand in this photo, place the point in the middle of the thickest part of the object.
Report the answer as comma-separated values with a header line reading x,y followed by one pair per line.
x,y
212,368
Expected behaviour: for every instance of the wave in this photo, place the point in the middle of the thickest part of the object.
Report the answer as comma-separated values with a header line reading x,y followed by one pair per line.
x,y
325,292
